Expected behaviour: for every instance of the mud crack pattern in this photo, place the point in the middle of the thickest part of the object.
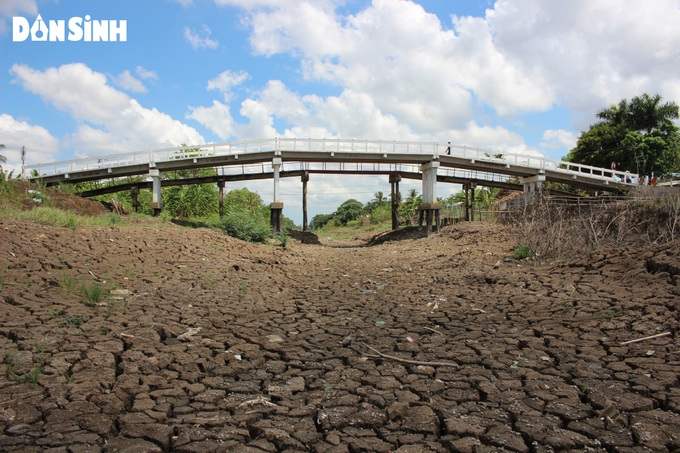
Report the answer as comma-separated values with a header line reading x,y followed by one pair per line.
x,y
203,343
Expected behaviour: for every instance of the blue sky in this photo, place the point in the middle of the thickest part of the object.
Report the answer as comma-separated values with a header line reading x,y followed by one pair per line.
x,y
523,76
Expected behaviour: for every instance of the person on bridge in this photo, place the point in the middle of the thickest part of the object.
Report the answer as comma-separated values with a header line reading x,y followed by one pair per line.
x,y
448,149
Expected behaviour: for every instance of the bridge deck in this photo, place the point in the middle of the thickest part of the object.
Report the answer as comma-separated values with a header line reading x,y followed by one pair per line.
x,y
337,156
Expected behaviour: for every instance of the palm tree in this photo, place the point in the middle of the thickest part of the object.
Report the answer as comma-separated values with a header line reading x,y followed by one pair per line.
x,y
379,199
410,205
647,113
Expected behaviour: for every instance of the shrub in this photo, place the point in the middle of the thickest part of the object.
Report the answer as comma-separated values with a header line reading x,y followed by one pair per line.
x,y
283,238
246,227
522,252
382,214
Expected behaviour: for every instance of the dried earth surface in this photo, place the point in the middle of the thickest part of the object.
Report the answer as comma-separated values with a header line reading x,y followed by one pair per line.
x,y
203,343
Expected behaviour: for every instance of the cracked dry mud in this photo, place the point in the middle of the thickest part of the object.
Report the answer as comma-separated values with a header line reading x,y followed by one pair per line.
x,y
204,343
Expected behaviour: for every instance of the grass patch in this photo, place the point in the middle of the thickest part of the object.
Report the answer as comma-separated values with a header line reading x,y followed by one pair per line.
x,y
30,377
59,218
606,315
93,294
68,283
66,320
522,252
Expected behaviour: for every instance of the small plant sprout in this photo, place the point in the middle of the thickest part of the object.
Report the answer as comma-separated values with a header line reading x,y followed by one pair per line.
x,y
522,252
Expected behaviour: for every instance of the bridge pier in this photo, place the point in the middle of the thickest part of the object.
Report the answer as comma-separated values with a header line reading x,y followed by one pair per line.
x,y
220,186
276,207
134,192
305,180
276,217
429,210
532,186
394,198
156,203
469,189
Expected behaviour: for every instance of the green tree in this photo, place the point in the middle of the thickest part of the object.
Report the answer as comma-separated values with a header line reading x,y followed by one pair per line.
x,y
348,211
319,221
639,135
243,200
486,196
379,199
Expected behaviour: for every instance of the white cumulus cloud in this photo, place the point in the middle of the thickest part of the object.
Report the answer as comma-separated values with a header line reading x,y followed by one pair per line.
x,y
226,81
104,111
40,145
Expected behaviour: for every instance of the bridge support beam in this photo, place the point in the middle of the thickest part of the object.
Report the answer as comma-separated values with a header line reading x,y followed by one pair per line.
x,y
156,203
276,207
532,186
305,180
276,217
394,198
134,192
469,189
429,210
220,187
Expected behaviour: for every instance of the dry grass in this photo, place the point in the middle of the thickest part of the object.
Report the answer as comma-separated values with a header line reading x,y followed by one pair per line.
x,y
559,229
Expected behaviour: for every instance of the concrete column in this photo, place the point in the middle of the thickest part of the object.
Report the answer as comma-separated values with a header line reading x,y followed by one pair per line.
x,y
429,171
276,165
156,203
276,207
532,186
429,210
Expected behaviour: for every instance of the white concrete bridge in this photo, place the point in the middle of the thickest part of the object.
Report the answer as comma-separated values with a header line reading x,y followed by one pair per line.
x,y
277,157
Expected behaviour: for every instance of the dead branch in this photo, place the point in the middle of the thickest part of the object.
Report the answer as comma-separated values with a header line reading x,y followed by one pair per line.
x,y
411,362
259,400
645,338
432,330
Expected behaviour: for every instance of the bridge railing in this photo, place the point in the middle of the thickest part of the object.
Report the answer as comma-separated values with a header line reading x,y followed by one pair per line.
x,y
541,163
153,156
356,146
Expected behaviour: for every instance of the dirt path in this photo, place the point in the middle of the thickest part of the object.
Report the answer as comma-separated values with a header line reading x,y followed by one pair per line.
x,y
204,343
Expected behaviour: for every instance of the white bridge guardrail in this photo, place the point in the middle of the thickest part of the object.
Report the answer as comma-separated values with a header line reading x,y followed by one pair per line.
x,y
435,149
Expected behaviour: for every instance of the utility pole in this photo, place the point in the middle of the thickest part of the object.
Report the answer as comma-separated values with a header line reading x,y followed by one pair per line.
x,y
23,162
